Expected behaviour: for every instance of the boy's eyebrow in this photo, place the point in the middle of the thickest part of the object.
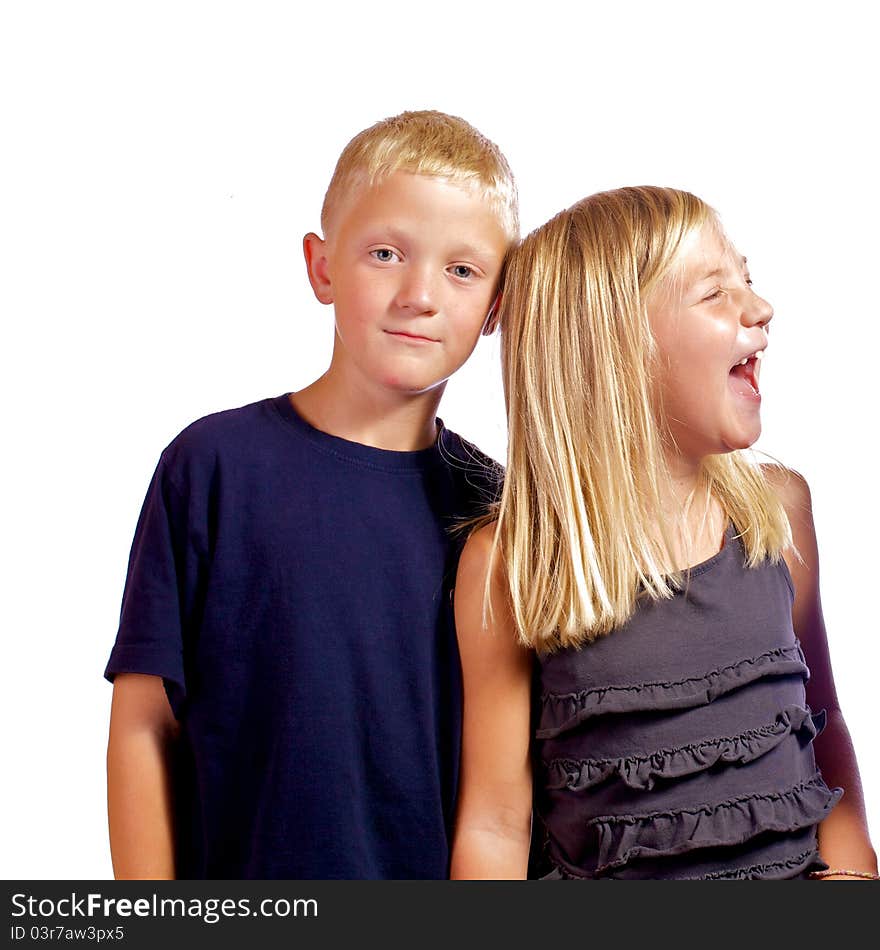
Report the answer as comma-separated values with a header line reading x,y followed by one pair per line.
x,y
395,234
465,249
479,251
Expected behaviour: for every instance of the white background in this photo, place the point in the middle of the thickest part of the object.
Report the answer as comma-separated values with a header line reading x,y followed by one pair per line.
x,y
161,162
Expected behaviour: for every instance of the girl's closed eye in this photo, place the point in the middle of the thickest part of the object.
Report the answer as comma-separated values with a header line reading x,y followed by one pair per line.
x,y
714,294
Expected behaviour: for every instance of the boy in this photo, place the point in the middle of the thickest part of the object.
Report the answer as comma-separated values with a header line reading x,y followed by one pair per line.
x,y
286,695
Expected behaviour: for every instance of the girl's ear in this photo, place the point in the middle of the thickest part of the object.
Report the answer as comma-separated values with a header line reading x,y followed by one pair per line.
x,y
315,253
491,324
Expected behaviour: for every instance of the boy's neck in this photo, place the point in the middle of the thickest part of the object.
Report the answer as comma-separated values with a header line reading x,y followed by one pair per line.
x,y
398,422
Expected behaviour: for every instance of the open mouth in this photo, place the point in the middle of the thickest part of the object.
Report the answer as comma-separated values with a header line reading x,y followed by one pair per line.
x,y
744,375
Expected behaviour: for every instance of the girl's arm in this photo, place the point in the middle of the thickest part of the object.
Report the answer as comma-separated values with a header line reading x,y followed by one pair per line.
x,y
843,835
493,823
139,803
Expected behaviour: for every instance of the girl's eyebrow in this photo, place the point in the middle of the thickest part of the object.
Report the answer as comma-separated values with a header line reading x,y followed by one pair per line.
x,y
719,271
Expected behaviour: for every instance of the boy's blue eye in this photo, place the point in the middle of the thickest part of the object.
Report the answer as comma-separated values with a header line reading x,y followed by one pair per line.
x,y
384,254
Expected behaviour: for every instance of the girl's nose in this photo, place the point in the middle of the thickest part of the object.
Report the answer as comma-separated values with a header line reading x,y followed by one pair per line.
x,y
758,312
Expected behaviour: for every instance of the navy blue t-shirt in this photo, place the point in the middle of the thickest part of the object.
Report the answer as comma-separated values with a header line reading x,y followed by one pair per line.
x,y
293,590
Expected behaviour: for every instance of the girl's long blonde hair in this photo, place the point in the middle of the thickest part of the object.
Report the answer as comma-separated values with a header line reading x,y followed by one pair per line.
x,y
580,525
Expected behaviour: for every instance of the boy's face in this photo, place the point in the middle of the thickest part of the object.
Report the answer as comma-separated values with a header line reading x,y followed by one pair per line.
x,y
411,266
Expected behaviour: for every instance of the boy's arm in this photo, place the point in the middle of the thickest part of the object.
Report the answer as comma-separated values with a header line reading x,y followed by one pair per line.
x,y
843,835
139,797
493,822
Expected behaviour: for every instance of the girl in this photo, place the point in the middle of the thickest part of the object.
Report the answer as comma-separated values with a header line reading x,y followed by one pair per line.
x,y
666,584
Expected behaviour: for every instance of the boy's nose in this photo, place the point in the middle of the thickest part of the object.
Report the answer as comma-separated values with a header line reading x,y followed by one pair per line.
x,y
416,294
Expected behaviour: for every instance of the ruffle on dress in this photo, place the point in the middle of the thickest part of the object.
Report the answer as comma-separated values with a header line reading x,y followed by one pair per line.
x,y
623,838
562,711
641,772
772,871
767,871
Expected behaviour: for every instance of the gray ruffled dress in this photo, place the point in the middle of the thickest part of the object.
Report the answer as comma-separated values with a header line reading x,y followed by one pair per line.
x,y
680,745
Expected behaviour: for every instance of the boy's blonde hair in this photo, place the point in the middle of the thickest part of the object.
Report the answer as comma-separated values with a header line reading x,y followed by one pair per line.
x,y
424,143
579,517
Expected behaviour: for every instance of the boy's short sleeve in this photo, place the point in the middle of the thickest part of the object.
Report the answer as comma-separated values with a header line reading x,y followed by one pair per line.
x,y
160,589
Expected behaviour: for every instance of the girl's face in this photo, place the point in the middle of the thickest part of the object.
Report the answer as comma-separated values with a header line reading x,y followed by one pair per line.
x,y
706,323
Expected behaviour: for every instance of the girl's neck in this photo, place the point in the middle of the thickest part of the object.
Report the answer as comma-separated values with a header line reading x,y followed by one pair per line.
x,y
685,478
694,518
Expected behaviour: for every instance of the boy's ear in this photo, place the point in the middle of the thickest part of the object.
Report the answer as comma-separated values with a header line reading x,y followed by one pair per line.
x,y
315,253
491,324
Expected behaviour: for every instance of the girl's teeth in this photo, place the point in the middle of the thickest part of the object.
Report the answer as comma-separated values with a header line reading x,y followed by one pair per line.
x,y
758,355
